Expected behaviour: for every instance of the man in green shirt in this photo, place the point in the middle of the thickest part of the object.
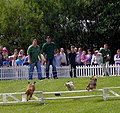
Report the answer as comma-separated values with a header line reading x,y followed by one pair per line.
x,y
48,51
34,59
106,54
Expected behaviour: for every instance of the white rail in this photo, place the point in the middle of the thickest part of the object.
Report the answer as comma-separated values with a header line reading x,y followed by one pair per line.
x,y
39,96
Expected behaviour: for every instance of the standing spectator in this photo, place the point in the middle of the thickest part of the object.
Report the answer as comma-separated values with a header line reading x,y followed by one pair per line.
x,y
88,57
63,57
33,59
48,49
72,56
97,59
57,58
83,58
67,56
78,57
75,49
95,51
117,61
106,54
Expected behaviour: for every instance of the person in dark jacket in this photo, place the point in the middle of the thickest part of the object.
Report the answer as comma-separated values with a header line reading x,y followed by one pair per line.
x,y
72,56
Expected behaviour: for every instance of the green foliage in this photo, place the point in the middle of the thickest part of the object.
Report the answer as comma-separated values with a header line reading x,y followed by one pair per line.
x,y
85,23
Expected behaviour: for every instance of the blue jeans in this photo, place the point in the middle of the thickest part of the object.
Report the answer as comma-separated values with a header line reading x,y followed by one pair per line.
x,y
50,61
38,66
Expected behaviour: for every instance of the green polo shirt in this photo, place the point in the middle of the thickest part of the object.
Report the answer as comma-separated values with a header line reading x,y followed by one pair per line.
x,y
34,52
48,49
104,54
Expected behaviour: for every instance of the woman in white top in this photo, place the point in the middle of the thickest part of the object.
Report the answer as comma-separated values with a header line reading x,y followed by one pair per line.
x,y
117,61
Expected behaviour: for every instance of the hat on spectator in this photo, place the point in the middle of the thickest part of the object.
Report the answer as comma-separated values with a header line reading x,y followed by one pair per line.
x,y
4,49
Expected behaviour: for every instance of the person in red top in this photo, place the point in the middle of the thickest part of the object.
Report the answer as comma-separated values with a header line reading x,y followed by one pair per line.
x,y
83,58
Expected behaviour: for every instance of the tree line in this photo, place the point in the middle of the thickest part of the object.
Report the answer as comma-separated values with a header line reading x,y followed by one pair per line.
x,y
84,23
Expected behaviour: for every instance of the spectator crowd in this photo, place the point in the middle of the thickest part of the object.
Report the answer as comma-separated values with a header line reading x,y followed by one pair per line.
x,y
73,57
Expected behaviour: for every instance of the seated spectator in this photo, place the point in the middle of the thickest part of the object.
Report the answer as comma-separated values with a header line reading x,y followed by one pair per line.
x,y
13,58
22,53
25,62
6,62
19,61
63,57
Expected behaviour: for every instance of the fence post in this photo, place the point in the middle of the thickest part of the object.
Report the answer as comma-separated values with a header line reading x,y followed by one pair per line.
x,y
4,98
41,98
105,96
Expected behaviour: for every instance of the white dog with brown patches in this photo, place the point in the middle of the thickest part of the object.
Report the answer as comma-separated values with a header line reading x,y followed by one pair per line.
x,y
70,85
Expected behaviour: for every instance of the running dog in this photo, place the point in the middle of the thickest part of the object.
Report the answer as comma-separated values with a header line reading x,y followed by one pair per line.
x,y
30,90
92,84
70,85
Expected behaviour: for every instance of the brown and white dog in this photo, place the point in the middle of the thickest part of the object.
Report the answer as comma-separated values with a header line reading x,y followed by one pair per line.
x,y
70,85
30,90
92,84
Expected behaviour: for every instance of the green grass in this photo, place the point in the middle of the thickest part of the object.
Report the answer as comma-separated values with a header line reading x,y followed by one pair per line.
x,y
86,105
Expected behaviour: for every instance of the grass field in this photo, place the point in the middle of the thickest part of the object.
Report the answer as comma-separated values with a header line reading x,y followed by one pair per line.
x,y
86,105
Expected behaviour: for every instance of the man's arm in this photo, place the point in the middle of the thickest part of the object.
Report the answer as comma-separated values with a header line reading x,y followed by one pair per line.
x,y
28,53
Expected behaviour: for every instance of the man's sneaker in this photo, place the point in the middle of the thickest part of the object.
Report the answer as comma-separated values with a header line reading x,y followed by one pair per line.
x,y
42,78
47,77
103,74
107,74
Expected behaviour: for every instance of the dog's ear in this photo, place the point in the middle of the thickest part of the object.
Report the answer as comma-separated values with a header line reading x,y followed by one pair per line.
x,y
34,82
28,82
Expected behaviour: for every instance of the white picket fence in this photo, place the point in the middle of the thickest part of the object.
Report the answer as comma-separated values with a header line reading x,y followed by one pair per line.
x,y
7,73
113,70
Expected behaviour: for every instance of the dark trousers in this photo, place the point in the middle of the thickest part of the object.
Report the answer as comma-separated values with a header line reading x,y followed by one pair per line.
x,y
50,61
72,67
